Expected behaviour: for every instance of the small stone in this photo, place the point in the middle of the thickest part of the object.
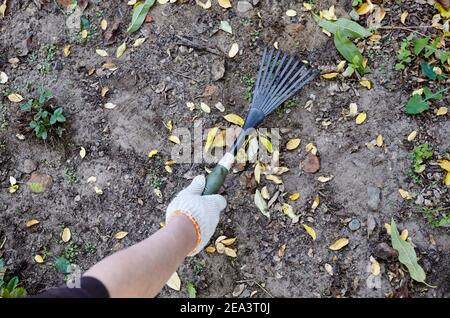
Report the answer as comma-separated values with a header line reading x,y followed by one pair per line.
x,y
371,224
39,182
311,164
243,7
384,251
374,195
77,198
419,200
28,166
238,290
354,225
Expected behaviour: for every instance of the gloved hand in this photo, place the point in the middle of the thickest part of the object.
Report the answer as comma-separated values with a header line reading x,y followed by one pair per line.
x,y
203,211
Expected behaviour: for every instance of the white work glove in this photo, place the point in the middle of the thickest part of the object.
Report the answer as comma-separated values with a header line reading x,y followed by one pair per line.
x,y
203,211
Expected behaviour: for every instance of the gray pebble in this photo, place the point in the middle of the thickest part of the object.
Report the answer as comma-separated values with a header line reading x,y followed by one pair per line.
x,y
243,6
374,195
354,225
28,166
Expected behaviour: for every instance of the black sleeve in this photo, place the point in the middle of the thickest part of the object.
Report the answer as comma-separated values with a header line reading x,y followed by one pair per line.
x,y
90,288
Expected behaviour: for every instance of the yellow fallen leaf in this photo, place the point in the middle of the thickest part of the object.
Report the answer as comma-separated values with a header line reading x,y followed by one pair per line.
x,y
380,140
3,8
329,14
324,179
169,124
365,83
66,235
340,66
311,148
365,8
110,66
210,138
310,231
403,17
387,226
13,188
316,202
120,235
291,13
447,179
361,118
139,42
32,222
210,249
293,144
338,244
98,190
444,164
330,75
82,152
38,259
274,179
225,4
294,196
174,139
101,52
266,143
228,242
91,179
375,267
379,14
233,50
152,153
104,91
121,50
265,193
412,135
375,37
234,119
405,194
442,111
307,6
204,5
220,140
110,106
230,252
174,282
289,211
103,24
66,50
257,172
168,168
15,98
444,13
282,250
205,108
404,235
84,34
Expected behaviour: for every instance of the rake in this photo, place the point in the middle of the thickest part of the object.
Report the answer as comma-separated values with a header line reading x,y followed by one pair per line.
x,y
277,81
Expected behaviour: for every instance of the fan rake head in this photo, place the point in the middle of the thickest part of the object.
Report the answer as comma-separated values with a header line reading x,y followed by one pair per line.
x,y
278,80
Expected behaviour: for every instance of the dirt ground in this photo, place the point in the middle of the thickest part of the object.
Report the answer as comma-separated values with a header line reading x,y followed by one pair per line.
x,y
152,84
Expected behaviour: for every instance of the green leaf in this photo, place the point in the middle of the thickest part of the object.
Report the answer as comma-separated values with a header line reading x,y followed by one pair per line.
x,y
419,44
427,70
406,255
348,50
347,27
261,204
27,105
139,14
416,105
53,119
12,284
62,265
192,292
429,95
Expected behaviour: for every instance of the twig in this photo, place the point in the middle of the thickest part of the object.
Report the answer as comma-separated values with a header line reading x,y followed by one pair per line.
x,y
185,76
254,281
410,29
187,42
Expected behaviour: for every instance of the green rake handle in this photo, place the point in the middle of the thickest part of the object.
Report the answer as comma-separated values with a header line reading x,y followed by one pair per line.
x,y
215,179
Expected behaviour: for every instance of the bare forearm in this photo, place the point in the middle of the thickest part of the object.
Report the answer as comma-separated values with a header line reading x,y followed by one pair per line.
x,y
142,269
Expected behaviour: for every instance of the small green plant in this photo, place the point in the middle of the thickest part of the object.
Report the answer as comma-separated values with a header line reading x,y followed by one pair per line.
x,y
44,120
90,247
249,83
436,221
9,288
3,117
62,265
71,251
70,175
155,181
419,103
421,47
356,3
419,156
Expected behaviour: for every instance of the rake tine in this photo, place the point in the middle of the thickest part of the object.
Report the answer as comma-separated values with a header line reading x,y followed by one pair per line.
x,y
258,80
265,73
267,81
275,78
